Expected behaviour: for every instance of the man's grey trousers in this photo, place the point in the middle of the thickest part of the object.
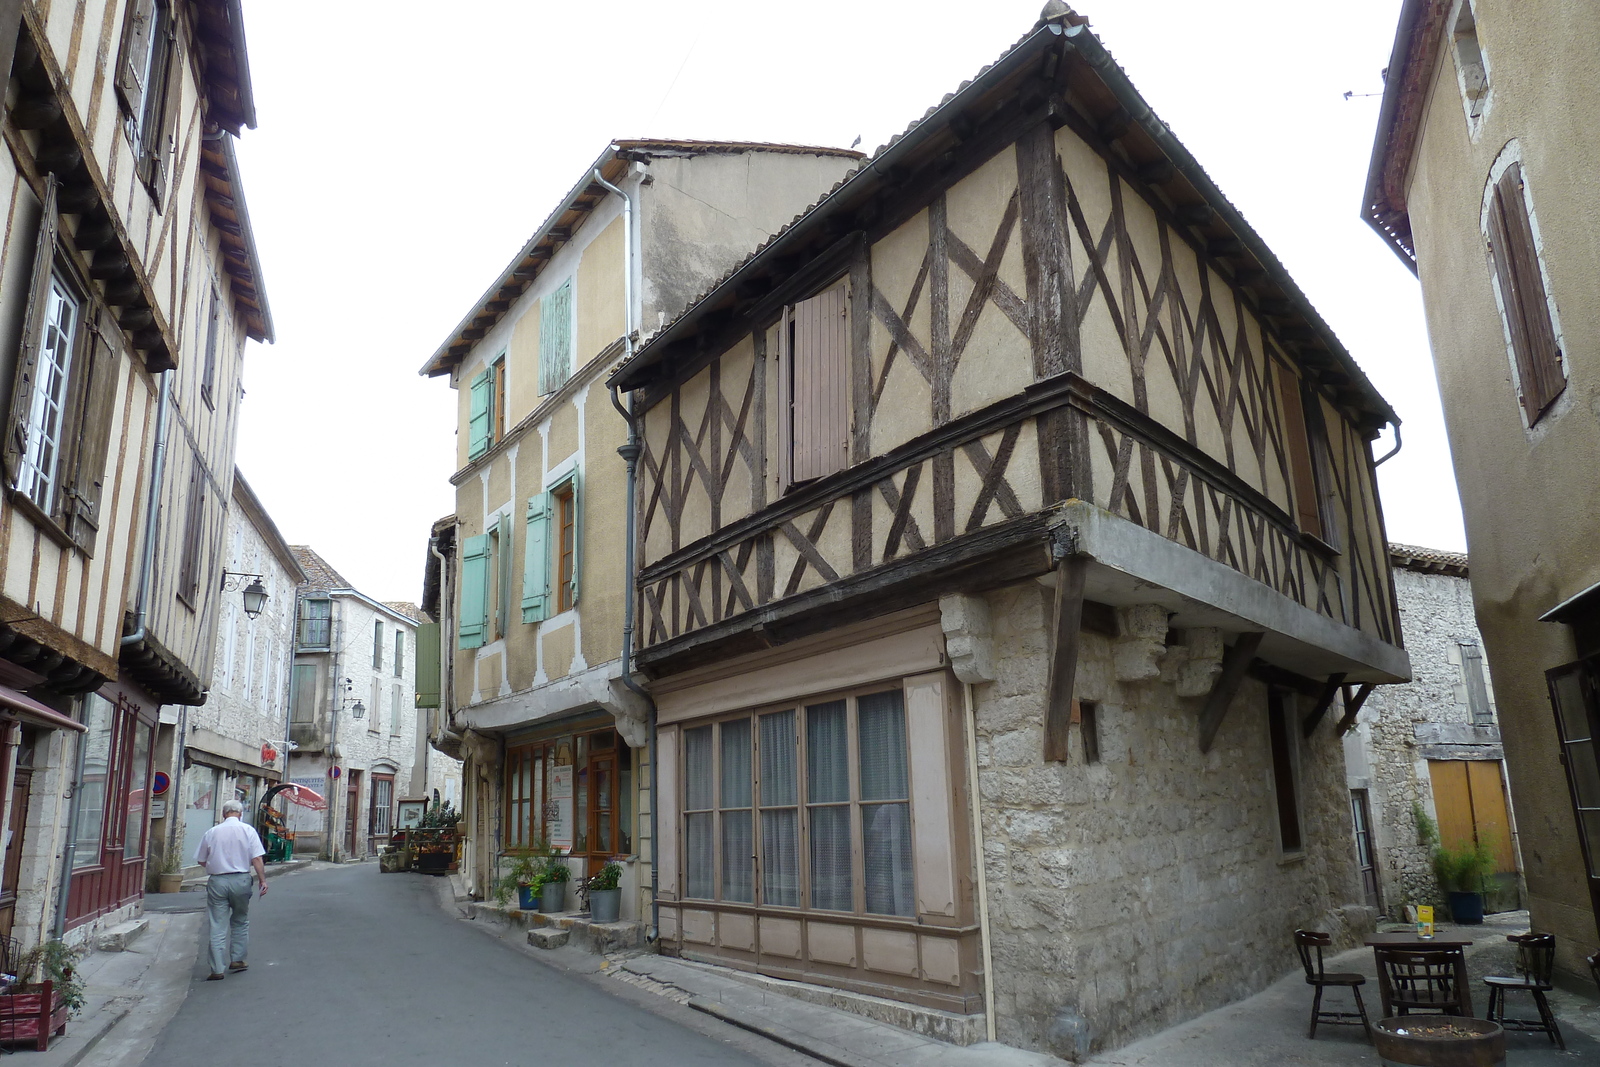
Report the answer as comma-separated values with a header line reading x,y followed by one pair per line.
x,y
228,902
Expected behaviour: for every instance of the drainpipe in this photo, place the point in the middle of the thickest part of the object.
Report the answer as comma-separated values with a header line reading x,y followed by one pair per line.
x,y
158,470
971,724
630,455
1393,451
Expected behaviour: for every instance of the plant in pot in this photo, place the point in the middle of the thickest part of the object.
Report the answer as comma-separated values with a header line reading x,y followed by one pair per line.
x,y
1461,873
171,876
525,878
605,896
553,890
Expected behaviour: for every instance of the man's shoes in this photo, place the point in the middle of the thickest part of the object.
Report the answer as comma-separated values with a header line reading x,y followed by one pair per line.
x,y
219,976
238,965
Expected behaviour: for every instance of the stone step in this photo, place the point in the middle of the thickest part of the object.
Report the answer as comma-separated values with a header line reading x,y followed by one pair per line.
x,y
117,938
548,937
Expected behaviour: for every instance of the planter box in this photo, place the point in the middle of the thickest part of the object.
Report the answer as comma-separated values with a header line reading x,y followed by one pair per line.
x,y
32,1013
1406,1040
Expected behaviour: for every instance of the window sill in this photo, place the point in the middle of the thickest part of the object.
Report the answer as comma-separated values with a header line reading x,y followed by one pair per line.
x,y
51,527
1291,859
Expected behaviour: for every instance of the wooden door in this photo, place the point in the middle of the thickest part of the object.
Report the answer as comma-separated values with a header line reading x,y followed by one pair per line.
x,y
11,874
1361,819
379,815
352,804
1469,800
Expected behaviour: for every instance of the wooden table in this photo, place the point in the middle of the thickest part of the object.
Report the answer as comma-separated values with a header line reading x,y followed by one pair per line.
x,y
1412,943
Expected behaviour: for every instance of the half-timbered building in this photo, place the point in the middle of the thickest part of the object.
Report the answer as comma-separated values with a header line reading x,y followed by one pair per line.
x,y
129,284
539,705
1010,554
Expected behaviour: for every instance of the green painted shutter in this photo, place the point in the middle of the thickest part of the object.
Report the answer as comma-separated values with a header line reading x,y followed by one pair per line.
x,y
480,424
577,534
502,608
555,338
474,590
428,684
536,561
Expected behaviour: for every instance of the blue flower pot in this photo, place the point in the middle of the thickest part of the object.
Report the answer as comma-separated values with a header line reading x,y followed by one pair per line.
x,y
525,898
1466,908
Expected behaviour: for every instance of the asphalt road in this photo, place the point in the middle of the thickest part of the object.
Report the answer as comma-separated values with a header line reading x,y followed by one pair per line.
x,y
351,967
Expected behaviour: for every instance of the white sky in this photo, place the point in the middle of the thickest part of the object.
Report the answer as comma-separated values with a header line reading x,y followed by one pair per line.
x,y
403,158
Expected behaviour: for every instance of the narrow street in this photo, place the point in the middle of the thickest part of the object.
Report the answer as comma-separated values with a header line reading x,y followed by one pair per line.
x,y
368,969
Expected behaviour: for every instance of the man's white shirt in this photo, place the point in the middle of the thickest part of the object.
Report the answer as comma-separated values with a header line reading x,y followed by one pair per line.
x,y
229,846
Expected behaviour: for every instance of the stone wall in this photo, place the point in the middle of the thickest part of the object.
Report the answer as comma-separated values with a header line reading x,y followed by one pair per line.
x,y
1133,893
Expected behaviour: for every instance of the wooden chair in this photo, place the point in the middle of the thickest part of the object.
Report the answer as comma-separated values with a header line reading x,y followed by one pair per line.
x,y
1423,981
1594,967
1536,958
1310,945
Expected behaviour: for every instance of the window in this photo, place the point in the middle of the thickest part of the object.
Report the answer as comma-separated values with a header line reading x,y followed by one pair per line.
x,y
1472,673
1310,472
94,788
1525,308
63,392
394,711
502,573
194,519
557,551
316,624
1280,727
498,403
1471,71
555,338
814,387
375,707
377,644
208,377
573,792
399,651
378,822
1089,730
305,692
843,764
474,591
147,88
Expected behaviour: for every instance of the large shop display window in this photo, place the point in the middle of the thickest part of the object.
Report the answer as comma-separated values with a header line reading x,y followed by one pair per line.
x,y
113,808
573,792
805,807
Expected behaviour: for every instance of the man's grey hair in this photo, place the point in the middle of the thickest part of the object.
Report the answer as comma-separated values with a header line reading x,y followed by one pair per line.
x,y
232,807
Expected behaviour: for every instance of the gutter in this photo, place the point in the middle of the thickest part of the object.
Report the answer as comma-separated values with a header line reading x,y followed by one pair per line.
x,y
1393,89
630,455
158,470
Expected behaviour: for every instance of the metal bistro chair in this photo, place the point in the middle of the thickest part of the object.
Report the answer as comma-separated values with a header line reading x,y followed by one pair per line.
x,y
1536,958
1423,981
1310,945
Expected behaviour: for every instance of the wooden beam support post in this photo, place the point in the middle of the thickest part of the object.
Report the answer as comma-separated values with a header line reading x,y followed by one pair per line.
x,y
1235,662
1352,706
1064,640
1313,718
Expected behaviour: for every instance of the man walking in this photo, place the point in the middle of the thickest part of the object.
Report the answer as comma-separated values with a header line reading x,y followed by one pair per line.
x,y
230,850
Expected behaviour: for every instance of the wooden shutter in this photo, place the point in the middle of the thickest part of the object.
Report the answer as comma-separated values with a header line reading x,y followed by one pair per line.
x,y
137,38
428,682
577,538
162,141
193,528
1522,292
474,591
555,338
96,380
1303,487
536,560
820,387
502,563
44,254
480,422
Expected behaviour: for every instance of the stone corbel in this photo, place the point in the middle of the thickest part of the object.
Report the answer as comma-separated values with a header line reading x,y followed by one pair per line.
x,y
631,711
968,637
1140,643
1204,661
482,750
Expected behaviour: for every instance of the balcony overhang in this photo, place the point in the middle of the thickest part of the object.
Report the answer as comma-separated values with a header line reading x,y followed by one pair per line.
x,y
1128,565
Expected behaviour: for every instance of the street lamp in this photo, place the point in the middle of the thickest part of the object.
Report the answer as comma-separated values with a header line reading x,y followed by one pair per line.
x,y
255,594
358,710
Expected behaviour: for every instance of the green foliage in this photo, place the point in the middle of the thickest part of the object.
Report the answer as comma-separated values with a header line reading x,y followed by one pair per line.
x,y
440,817
53,961
610,877
527,869
171,860
1464,869
1427,829
554,869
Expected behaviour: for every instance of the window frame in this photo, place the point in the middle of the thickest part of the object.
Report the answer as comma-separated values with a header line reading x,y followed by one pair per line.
x,y
377,644
308,615
564,501
148,89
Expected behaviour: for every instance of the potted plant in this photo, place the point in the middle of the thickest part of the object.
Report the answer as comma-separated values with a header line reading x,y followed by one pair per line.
x,y
1439,1041
171,876
526,877
553,890
47,993
605,896
1461,873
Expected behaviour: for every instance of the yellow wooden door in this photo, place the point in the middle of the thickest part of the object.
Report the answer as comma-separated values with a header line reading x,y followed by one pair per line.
x,y
1452,801
1470,802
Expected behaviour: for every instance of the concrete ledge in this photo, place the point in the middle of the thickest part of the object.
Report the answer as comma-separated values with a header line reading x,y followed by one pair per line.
x,y
548,937
120,936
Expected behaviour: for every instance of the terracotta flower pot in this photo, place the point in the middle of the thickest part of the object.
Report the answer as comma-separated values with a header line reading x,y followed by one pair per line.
x,y
171,881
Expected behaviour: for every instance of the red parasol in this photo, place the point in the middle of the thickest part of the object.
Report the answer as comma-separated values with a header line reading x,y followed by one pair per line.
x,y
305,797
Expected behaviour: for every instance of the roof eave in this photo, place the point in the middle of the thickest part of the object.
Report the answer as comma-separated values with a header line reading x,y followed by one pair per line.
x,y
1375,206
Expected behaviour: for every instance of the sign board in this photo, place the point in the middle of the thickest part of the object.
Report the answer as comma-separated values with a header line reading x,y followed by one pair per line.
x,y
558,810
334,772
268,753
160,783
158,808
411,813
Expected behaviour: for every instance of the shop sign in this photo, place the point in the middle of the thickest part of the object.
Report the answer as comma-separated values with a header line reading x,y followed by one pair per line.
x,y
558,812
268,753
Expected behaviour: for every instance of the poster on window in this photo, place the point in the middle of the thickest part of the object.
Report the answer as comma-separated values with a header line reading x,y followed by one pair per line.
x,y
558,808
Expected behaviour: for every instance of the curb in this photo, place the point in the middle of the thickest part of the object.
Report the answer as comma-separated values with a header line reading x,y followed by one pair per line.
x,y
785,1037
95,1039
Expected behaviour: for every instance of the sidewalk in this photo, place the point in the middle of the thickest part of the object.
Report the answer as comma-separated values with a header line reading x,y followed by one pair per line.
x,y
1269,1029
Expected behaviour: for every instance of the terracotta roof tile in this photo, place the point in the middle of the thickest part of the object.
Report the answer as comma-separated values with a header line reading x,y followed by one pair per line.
x,y
1428,560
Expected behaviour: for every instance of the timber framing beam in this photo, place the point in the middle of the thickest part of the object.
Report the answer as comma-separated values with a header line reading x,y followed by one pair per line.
x,y
1235,664
1352,707
1308,725
1066,623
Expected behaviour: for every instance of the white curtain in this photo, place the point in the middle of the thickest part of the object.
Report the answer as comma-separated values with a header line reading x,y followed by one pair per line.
x,y
828,793
699,852
780,820
885,827
738,846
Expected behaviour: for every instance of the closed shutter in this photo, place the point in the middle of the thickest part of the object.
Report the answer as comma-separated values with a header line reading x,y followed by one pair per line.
x,y
820,386
163,140
502,564
1303,483
1522,293
474,590
536,560
133,68
555,338
44,253
97,390
427,678
577,538
481,421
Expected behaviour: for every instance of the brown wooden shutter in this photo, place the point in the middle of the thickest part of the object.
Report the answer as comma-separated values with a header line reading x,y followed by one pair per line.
x,y
1303,480
163,142
135,54
44,255
96,388
1522,292
821,385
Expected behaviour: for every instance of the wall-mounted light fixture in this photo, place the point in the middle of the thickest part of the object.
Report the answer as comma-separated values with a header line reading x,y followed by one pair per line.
x,y
358,710
255,594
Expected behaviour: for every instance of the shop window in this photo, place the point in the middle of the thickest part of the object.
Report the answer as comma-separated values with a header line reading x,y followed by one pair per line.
x,y
94,790
571,792
843,764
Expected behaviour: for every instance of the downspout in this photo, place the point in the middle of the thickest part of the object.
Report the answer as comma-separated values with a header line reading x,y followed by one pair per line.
x,y
158,470
630,455
971,724
1395,451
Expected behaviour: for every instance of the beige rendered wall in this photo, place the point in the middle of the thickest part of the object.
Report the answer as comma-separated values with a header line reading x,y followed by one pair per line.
x,y
1527,495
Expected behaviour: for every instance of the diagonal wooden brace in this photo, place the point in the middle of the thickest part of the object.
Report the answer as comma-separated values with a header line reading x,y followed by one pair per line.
x,y
1235,662
1313,719
1064,638
1352,707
